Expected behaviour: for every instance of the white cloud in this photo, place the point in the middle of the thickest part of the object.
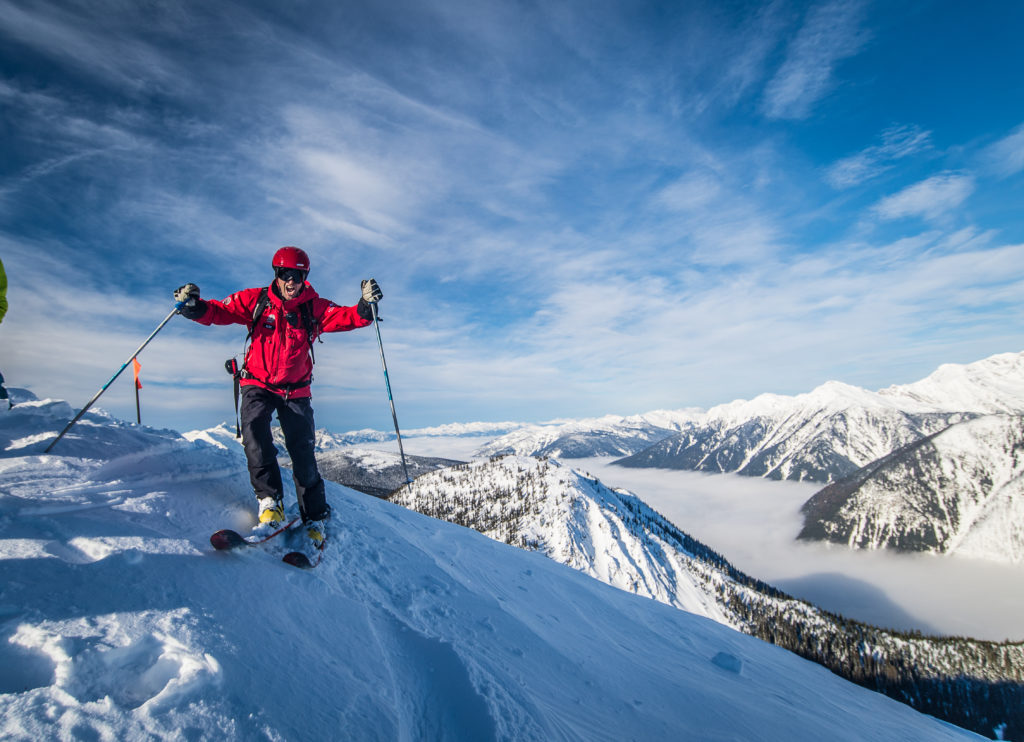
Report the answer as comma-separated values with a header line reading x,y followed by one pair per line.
x,y
362,188
897,142
830,34
1006,157
929,199
692,192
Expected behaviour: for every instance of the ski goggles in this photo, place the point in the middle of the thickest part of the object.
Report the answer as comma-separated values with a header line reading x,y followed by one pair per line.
x,y
291,274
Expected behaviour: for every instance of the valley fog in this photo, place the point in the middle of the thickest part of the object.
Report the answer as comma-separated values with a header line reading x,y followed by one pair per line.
x,y
753,523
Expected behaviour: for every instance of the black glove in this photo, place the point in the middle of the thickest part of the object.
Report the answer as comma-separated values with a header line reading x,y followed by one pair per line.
x,y
192,306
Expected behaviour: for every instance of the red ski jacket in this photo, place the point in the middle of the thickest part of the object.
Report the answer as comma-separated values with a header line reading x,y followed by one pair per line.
x,y
278,358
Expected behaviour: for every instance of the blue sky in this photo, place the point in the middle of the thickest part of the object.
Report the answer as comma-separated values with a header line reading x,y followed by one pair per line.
x,y
573,208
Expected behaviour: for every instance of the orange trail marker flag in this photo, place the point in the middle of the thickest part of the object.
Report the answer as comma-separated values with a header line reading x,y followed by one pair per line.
x,y
136,367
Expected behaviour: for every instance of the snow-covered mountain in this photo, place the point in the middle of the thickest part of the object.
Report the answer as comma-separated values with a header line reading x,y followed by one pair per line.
x,y
820,436
225,434
834,430
576,439
990,386
118,622
377,473
959,491
541,505
613,536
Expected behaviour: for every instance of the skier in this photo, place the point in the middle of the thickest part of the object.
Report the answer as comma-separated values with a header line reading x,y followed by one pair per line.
x,y
276,374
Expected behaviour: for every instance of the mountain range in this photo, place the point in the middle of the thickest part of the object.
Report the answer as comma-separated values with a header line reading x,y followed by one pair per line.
x,y
929,466
578,439
821,436
836,429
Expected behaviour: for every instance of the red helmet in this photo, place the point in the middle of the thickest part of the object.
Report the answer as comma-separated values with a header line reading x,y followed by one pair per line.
x,y
291,257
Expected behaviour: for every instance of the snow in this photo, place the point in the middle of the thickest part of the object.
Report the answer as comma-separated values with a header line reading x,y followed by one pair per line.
x,y
989,386
119,622
574,520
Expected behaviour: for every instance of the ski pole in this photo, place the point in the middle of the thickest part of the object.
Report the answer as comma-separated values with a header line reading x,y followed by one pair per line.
x,y
92,401
394,415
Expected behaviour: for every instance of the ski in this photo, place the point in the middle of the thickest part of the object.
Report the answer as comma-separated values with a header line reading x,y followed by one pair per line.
x,y
227,539
300,560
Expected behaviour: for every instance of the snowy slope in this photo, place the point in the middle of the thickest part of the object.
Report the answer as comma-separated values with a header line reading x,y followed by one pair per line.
x,y
959,491
119,623
613,536
541,505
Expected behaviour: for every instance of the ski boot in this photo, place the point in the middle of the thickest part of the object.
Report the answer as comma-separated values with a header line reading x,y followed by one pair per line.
x,y
270,518
317,532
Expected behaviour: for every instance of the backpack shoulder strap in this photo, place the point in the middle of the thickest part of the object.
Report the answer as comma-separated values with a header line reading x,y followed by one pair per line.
x,y
258,310
310,325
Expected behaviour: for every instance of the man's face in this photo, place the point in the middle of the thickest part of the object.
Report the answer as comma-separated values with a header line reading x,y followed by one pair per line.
x,y
290,282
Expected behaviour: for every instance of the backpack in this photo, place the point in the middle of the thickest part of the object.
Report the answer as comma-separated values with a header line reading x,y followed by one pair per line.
x,y
239,372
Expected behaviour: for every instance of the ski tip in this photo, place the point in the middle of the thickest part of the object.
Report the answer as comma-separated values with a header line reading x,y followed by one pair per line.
x,y
227,539
297,559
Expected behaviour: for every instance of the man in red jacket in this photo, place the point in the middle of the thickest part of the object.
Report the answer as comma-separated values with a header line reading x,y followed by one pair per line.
x,y
276,374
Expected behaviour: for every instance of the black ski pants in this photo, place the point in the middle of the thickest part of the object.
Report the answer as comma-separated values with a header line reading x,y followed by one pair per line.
x,y
296,418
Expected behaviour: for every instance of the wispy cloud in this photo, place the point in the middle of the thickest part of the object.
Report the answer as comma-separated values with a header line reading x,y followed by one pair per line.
x,y
111,53
897,142
930,199
1006,157
692,192
831,33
